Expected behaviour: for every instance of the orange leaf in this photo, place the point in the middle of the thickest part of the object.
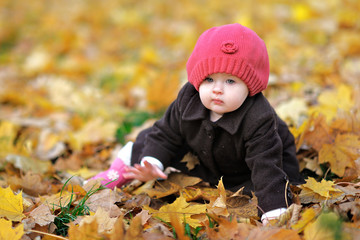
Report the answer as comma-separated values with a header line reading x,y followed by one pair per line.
x,y
178,226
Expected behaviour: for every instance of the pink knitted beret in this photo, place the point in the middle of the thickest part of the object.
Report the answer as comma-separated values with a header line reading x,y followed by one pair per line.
x,y
232,49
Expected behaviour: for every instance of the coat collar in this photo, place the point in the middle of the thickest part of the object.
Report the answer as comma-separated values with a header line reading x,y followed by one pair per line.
x,y
230,122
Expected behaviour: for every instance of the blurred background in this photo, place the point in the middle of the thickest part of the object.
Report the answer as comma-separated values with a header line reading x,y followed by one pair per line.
x,y
75,74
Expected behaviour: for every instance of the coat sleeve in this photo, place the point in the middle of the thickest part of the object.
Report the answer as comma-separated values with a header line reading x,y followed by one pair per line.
x,y
165,139
264,158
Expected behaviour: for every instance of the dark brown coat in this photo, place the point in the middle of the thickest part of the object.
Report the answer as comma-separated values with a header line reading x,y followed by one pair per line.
x,y
250,146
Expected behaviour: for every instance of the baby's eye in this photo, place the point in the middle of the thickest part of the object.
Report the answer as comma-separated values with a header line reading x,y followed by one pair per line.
x,y
230,81
208,79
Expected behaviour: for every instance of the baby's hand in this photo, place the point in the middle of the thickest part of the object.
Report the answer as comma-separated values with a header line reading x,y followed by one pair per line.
x,y
144,173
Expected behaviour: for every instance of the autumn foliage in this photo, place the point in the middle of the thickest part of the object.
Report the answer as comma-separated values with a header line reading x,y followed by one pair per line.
x,y
79,78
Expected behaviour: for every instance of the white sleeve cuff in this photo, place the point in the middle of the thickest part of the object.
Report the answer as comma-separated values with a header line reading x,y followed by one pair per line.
x,y
153,161
273,214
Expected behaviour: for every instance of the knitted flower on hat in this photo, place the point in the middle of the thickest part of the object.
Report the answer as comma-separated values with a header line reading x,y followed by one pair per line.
x,y
232,49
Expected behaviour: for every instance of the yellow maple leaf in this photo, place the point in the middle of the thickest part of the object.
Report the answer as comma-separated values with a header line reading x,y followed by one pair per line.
x,y
342,153
307,217
11,205
323,188
7,232
180,207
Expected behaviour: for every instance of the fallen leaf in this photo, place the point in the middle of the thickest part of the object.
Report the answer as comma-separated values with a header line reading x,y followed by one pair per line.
x,y
34,185
327,226
342,153
11,206
28,164
94,131
308,216
163,189
323,188
118,230
135,230
291,111
58,200
193,194
331,101
105,222
105,199
8,232
191,161
316,133
218,205
86,231
183,180
183,209
353,207
227,229
42,215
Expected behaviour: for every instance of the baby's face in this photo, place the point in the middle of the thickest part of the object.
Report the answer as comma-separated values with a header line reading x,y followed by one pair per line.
x,y
222,93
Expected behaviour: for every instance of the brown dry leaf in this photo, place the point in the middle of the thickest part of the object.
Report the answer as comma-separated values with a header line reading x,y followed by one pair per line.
x,y
42,215
316,133
163,189
191,160
242,205
183,180
72,163
105,222
135,230
33,184
193,194
217,205
313,165
105,199
353,207
118,230
342,153
55,201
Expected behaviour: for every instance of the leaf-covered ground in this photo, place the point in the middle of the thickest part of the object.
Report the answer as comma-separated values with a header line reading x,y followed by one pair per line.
x,y
79,78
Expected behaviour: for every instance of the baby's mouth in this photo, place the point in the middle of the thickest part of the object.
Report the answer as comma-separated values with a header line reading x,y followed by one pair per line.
x,y
217,101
